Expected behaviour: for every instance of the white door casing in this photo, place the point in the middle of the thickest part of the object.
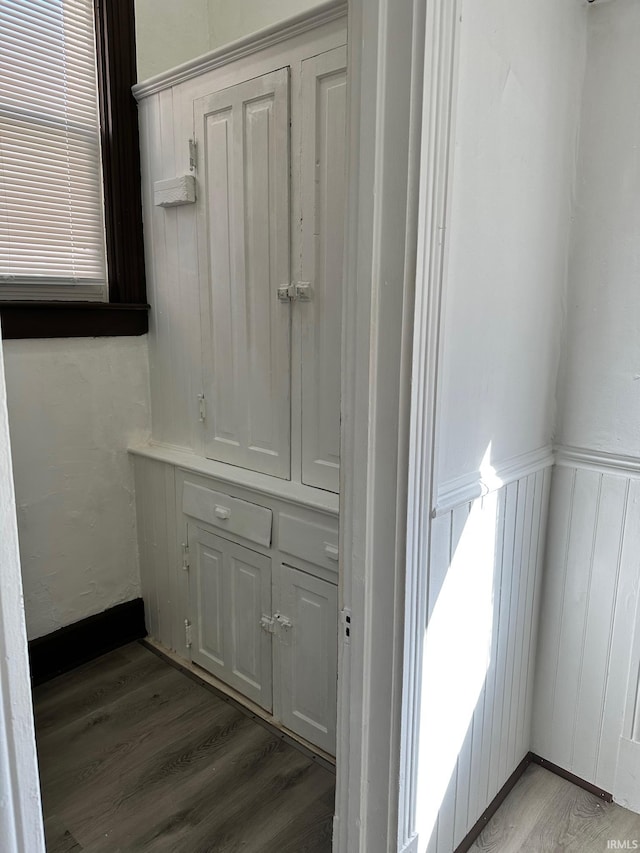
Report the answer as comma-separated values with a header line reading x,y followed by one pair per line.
x,y
243,214
400,103
21,827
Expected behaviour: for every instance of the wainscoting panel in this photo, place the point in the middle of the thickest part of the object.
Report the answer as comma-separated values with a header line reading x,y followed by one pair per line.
x,y
486,555
172,283
159,577
588,617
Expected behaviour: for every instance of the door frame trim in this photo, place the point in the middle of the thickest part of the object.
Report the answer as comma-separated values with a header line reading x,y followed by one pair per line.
x,y
21,825
398,178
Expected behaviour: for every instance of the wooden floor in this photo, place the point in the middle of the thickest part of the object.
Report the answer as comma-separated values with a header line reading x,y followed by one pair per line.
x,y
136,756
546,813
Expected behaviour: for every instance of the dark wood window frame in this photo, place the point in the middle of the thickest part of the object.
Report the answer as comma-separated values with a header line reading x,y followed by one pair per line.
x,y
126,312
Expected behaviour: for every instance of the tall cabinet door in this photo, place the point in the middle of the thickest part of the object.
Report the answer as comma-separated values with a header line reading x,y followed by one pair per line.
x,y
243,216
324,90
307,656
230,592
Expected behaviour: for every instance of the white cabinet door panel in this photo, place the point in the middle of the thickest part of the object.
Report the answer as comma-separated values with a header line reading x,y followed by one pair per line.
x,y
307,656
244,256
211,609
324,88
246,637
230,591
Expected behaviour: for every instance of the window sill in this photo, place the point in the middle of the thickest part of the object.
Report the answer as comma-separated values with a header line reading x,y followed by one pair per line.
x,y
72,319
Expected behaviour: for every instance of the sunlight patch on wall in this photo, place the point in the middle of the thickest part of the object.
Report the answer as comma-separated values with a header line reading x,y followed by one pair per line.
x,y
457,654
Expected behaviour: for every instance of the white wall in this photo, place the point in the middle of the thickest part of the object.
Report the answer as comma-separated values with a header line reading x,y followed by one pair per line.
x,y
230,21
587,674
169,32
600,388
521,69
20,815
74,406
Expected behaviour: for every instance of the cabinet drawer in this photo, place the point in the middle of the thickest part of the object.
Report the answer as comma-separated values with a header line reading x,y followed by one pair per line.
x,y
242,518
314,542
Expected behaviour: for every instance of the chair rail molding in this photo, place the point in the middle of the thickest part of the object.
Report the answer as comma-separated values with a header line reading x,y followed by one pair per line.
x,y
597,460
462,490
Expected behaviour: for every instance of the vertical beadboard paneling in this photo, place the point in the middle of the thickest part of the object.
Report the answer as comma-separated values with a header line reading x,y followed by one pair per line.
x,y
440,554
172,282
536,572
622,634
553,592
514,650
604,575
577,577
460,517
490,681
155,510
587,625
503,637
498,733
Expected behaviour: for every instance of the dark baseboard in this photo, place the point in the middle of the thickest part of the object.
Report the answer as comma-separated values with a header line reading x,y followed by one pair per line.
x,y
530,758
83,641
570,777
470,838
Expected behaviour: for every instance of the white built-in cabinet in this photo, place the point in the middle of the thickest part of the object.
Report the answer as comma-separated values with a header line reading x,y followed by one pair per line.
x,y
243,583
243,213
243,158
267,629
261,308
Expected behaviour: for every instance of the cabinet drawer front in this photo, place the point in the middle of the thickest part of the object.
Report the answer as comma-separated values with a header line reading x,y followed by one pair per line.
x,y
241,518
314,542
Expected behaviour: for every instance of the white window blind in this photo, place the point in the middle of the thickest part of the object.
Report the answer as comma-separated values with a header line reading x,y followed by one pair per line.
x,y
51,204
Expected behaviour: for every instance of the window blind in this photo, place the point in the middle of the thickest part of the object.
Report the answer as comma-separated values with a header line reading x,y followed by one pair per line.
x,y
51,204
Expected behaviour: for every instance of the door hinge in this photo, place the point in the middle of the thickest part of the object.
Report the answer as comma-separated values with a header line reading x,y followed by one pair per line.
x,y
187,633
202,408
300,291
193,155
186,565
345,616
267,623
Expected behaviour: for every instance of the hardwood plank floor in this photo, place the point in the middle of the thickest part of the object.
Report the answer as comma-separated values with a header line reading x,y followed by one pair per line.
x,y
546,813
136,756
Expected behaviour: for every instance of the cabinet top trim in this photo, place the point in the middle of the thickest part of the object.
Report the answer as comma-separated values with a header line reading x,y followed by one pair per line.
x,y
286,490
323,13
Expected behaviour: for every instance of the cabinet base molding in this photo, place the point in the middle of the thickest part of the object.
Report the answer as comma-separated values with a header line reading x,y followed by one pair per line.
x,y
246,706
83,641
